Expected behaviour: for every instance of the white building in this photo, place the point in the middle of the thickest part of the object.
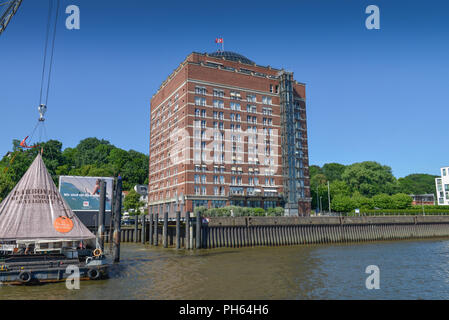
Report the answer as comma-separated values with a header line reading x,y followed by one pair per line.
x,y
143,191
442,187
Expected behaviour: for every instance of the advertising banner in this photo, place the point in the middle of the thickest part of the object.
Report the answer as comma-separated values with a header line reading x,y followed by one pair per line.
x,y
83,193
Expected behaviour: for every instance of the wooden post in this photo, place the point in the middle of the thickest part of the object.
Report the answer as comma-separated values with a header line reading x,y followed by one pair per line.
x,y
187,237
198,230
156,236
165,231
190,233
143,236
151,229
178,229
117,219
101,216
136,227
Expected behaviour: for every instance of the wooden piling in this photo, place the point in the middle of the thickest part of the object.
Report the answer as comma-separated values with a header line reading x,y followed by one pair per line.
x,y
117,219
143,235
101,216
198,230
156,235
187,236
165,231
178,230
150,229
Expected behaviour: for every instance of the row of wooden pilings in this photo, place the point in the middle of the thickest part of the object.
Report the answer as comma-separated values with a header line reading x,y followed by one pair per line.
x,y
185,233
195,232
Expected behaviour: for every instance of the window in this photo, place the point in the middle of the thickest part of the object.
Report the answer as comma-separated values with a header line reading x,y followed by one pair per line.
x,y
203,113
251,98
271,88
218,104
235,106
199,101
267,111
251,108
444,172
200,90
235,95
266,100
218,93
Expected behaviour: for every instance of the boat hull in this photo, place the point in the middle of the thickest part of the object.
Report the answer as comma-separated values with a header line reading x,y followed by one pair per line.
x,y
36,271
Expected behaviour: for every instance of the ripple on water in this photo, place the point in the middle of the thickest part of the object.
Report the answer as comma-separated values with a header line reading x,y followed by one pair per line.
x,y
408,270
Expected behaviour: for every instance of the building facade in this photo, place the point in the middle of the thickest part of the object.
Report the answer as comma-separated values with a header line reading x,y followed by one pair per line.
x,y
423,199
442,187
226,131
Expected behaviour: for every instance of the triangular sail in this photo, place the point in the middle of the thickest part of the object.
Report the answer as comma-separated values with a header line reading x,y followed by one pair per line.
x,y
36,210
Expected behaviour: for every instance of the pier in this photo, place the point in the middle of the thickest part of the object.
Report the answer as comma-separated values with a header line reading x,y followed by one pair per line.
x,y
238,232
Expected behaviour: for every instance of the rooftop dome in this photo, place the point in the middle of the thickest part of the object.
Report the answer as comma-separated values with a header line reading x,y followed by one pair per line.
x,y
229,55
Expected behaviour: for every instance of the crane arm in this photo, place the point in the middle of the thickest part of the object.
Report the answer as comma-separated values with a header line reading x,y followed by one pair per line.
x,y
6,16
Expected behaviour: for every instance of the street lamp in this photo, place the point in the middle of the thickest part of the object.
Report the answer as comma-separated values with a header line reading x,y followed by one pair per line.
x,y
321,206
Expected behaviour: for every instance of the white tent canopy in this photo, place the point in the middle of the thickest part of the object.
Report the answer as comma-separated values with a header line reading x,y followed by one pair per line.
x,y
36,210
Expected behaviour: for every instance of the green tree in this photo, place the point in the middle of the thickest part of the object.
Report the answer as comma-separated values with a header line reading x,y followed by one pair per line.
x,y
132,202
362,202
333,171
417,183
401,201
6,184
370,178
342,203
339,187
383,201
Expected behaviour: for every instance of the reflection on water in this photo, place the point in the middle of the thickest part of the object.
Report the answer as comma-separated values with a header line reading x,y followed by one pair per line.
x,y
408,270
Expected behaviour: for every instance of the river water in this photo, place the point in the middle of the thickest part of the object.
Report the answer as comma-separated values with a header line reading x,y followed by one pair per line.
x,y
408,270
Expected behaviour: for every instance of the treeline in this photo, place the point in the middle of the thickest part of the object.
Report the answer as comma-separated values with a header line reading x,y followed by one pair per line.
x,y
364,185
91,157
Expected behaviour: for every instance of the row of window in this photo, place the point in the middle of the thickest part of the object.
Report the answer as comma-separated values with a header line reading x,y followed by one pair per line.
x,y
201,101
235,95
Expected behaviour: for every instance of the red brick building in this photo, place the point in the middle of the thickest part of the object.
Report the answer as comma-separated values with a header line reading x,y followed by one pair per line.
x,y
225,131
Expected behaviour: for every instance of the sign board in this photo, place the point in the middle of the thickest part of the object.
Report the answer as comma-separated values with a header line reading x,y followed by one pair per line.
x,y
357,210
83,193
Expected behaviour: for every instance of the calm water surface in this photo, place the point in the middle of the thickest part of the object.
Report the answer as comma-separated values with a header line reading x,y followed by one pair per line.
x,y
408,270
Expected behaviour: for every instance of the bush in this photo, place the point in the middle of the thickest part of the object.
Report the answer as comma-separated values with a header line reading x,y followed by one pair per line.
x,y
401,201
362,202
343,204
239,211
382,201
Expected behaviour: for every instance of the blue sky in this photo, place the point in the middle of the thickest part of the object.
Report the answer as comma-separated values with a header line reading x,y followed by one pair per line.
x,y
377,95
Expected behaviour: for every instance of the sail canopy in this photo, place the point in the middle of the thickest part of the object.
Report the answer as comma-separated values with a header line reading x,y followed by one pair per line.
x,y
36,210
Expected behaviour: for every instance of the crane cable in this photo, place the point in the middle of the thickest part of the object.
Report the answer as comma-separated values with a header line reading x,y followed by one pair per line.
x,y
42,129
50,9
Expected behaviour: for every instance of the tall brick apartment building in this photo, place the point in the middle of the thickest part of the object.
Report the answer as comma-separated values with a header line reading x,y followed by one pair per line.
x,y
226,131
